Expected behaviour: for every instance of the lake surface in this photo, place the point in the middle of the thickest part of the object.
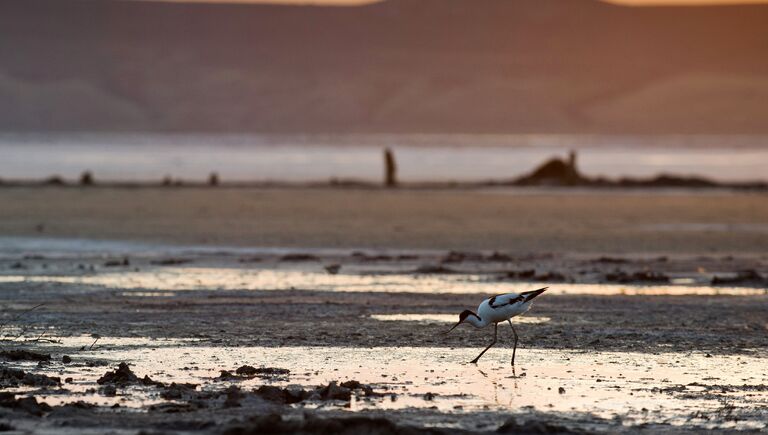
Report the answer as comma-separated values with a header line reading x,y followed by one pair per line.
x,y
138,157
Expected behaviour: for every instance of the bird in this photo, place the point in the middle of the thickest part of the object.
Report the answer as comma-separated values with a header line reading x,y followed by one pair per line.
x,y
497,309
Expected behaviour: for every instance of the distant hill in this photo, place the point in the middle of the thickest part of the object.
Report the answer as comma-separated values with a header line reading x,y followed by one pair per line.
x,y
400,66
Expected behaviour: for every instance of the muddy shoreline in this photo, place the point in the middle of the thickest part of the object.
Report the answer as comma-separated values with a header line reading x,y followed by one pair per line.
x,y
680,363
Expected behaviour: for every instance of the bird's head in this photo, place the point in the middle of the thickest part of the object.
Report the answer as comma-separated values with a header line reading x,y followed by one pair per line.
x,y
462,317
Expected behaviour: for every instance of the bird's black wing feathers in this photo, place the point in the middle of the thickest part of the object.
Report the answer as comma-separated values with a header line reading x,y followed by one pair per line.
x,y
522,297
509,302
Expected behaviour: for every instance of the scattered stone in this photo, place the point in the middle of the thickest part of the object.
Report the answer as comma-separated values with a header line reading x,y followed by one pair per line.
x,y
23,355
123,376
108,390
430,396
561,390
66,359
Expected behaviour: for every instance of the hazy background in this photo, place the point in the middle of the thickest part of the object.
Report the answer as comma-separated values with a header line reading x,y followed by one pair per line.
x,y
641,89
397,66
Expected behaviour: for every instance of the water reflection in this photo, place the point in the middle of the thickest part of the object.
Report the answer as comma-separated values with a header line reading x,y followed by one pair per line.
x,y
171,279
639,387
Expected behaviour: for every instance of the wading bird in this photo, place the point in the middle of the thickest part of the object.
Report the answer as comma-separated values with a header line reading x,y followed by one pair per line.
x,y
498,309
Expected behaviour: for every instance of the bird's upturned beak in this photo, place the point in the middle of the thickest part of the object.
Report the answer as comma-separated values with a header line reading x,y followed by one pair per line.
x,y
454,327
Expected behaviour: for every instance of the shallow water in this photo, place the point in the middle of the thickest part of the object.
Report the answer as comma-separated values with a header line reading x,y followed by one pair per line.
x,y
147,157
636,387
166,280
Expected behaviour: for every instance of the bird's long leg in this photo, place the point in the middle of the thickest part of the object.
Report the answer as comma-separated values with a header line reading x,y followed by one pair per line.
x,y
495,333
514,350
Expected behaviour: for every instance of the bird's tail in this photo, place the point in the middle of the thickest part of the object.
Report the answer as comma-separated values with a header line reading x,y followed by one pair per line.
x,y
532,294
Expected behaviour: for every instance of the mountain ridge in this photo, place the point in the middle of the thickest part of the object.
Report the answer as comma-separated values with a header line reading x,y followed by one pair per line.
x,y
399,66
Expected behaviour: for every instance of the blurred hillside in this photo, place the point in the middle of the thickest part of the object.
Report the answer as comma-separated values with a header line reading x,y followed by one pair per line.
x,y
400,66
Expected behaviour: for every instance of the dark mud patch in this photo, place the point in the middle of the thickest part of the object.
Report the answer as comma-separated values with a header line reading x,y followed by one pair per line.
x,y
249,372
429,269
29,405
299,257
513,426
275,424
475,257
171,261
531,275
12,378
644,276
748,277
124,376
23,355
117,263
366,258
331,391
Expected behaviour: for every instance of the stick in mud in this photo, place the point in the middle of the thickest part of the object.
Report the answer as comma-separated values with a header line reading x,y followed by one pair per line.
x,y
390,168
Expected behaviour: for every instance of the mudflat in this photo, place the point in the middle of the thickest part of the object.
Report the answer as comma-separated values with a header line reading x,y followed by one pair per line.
x,y
654,320
527,220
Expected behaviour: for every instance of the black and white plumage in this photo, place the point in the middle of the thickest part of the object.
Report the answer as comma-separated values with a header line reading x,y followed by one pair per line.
x,y
497,309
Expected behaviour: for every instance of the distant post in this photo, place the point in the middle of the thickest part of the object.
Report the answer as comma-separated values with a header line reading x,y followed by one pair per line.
x,y
86,178
213,179
390,168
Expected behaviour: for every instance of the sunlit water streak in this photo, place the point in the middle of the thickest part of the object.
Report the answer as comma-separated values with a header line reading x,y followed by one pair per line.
x,y
175,279
606,384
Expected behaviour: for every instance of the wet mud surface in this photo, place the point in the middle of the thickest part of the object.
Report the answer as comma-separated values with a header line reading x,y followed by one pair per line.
x,y
281,343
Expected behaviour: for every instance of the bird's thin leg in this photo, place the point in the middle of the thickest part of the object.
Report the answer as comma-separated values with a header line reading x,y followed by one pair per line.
x,y
495,333
514,350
